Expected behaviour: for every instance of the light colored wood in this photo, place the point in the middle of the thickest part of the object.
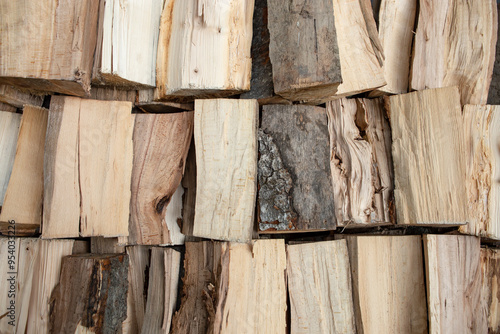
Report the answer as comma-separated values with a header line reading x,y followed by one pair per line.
x,y
9,131
128,42
14,97
204,48
388,284
9,248
482,132
161,145
24,196
490,272
225,133
428,154
319,285
454,284
361,162
455,46
34,59
252,276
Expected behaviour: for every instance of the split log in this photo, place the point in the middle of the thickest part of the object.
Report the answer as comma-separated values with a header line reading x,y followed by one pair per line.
x,y
113,94
34,58
127,43
482,132
225,133
145,102
494,93
88,166
455,46
7,108
454,284
24,195
388,284
361,162
490,270
14,97
101,245
311,49
204,49
189,196
319,284
295,185
428,154
9,131
161,145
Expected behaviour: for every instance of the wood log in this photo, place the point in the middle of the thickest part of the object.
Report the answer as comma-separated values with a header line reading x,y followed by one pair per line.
x,y
14,97
396,19
204,49
161,144
127,43
388,284
361,162
254,274
101,245
34,59
428,154
482,133
454,284
147,104
490,273
293,196
113,94
319,285
189,197
7,108
494,92
225,133
9,131
455,46
24,195
88,166
311,49
162,290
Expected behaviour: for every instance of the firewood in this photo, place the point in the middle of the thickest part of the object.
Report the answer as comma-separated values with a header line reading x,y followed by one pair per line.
x,y
454,284
50,44
494,92
145,102
319,285
7,108
101,245
428,148
9,131
204,49
113,94
24,195
490,273
311,49
225,133
161,144
295,185
361,162
388,283
189,196
14,97
455,46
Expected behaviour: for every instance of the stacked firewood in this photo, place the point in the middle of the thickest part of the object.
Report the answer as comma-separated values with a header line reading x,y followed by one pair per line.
x,y
249,166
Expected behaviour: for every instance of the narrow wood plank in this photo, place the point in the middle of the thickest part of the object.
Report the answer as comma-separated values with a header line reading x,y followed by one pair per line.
x,y
293,196
161,144
388,284
319,284
494,92
14,97
225,133
455,46
428,153
101,245
490,272
112,94
9,131
454,284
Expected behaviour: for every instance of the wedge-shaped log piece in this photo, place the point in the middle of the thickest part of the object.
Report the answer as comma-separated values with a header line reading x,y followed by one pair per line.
x,y
490,270
388,283
9,131
295,185
24,195
161,145
453,270
50,44
455,46
361,162
14,97
87,167
428,148
225,133
311,49
204,49
494,92
319,284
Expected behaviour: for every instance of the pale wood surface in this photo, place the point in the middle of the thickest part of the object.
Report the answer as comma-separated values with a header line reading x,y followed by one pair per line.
x,y
490,271
428,154
361,162
204,48
9,283
319,284
9,131
16,98
455,45
161,145
24,195
225,133
388,283
454,284
136,302
34,59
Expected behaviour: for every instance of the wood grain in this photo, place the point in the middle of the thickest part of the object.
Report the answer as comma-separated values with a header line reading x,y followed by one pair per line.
x,y
9,131
494,92
490,273
14,97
